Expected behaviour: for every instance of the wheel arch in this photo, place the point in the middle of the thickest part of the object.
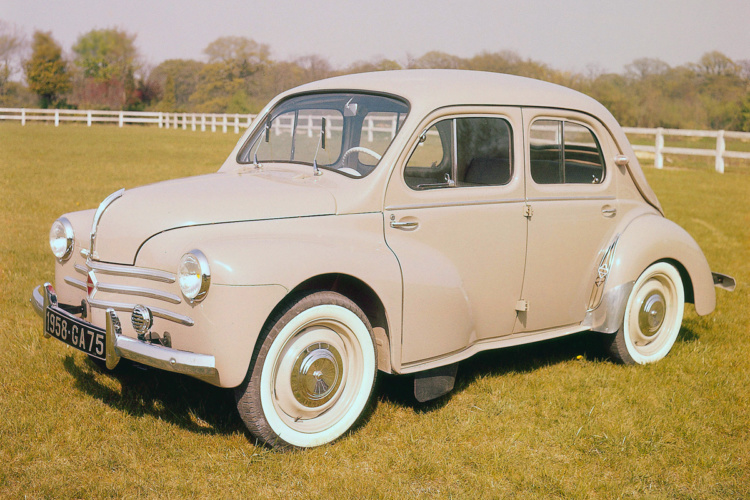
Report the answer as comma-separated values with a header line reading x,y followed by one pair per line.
x,y
358,292
652,238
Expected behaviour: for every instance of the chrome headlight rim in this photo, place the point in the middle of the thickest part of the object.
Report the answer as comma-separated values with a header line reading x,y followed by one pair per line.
x,y
69,235
196,258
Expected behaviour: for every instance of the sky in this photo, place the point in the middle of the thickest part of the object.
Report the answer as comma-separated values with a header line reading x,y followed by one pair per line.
x,y
572,35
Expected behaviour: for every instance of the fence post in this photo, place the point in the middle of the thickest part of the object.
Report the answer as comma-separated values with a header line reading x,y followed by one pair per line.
x,y
309,126
57,118
721,146
184,121
393,127
213,123
161,119
659,156
23,117
249,120
176,121
88,118
121,119
166,119
203,122
370,126
193,122
236,124
224,124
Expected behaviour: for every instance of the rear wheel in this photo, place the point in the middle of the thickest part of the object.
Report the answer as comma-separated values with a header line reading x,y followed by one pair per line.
x,y
312,374
653,317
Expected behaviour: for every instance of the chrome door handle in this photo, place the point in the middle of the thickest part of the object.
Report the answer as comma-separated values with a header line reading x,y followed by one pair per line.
x,y
404,225
609,211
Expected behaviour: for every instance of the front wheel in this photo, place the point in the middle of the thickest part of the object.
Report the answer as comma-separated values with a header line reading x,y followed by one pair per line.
x,y
312,375
653,317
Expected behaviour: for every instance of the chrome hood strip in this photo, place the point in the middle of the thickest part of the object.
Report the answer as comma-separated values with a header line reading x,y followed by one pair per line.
x,y
139,291
122,270
159,313
98,215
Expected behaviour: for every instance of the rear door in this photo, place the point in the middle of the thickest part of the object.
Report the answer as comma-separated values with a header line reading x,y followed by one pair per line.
x,y
572,213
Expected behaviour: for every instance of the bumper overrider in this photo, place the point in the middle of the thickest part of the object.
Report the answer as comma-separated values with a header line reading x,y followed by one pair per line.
x,y
117,346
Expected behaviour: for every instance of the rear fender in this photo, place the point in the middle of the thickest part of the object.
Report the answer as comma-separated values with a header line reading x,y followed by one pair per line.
x,y
646,240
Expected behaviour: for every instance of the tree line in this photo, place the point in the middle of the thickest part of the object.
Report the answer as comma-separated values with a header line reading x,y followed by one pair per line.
x,y
105,70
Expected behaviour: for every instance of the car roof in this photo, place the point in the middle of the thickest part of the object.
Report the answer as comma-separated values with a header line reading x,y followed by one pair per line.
x,y
433,88
429,89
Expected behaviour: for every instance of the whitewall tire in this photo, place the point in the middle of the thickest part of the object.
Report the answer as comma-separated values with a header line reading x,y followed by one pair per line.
x,y
312,375
653,316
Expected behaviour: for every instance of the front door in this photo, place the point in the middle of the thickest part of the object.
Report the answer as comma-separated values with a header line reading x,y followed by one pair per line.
x,y
454,219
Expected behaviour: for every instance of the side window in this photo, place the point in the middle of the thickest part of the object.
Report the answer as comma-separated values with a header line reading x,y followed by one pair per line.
x,y
471,151
562,152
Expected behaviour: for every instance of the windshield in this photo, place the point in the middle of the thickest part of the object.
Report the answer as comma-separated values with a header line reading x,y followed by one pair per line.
x,y
344,132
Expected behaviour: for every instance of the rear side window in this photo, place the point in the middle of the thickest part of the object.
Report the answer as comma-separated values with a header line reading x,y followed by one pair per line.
x,y
563,152
456,152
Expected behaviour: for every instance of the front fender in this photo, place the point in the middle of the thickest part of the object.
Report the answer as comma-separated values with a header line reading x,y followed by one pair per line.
x,y
288,252
651,238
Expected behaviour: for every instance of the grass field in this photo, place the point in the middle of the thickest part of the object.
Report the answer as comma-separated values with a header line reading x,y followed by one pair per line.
x,y
549,420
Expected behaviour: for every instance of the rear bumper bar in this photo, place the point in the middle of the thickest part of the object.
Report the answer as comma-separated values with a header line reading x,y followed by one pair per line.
x,y
200,366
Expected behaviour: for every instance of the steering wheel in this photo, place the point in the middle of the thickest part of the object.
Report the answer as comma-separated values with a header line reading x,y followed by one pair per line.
x,y
360,149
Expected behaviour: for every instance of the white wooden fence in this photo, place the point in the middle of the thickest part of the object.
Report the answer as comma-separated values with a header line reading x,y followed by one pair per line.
x,y
719,153
192,121
238,122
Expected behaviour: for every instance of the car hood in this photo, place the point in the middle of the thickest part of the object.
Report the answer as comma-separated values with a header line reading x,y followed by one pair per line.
x,y
143,212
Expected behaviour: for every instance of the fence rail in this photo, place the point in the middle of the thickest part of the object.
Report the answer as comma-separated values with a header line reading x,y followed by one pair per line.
x,y
719,153
238,122
192,121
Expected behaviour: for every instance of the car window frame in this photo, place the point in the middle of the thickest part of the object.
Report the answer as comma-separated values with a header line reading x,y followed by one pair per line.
x,y
453,117
563,120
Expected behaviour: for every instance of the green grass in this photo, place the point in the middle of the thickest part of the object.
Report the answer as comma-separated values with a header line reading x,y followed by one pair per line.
x,y
549,420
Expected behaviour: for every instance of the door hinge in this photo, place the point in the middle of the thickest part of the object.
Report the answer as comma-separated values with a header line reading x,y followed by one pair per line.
x,y
528,212
522,306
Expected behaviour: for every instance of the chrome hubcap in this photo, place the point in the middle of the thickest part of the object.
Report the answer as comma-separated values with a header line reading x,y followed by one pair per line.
x,y
316,375
652,313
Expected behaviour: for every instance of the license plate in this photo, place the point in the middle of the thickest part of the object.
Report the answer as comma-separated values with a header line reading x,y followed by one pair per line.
x,y
76,333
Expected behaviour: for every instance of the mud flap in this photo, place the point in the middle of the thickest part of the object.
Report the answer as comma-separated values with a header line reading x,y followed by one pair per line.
x,y
431,384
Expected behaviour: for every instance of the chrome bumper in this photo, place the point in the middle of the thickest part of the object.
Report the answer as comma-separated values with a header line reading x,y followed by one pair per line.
x,y
200,366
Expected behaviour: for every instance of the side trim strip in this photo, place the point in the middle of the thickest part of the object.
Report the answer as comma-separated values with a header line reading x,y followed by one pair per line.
x,y
571,198
455,204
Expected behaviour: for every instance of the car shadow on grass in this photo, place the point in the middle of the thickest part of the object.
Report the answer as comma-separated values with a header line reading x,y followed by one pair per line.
x,y
399,390
177,399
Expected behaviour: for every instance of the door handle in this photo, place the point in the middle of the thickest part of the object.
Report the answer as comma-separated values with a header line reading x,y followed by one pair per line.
x,y
609,211
404,225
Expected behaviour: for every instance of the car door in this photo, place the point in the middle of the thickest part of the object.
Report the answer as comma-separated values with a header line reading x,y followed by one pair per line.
x,y
454,219
572,213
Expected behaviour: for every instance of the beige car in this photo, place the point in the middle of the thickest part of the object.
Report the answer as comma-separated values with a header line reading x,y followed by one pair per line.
x,y
395,221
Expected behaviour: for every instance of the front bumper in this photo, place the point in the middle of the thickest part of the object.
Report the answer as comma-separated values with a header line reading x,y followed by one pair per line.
x,y
200,366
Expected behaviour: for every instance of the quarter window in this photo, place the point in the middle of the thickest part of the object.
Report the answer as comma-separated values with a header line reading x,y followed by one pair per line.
x,y
563,152
470,151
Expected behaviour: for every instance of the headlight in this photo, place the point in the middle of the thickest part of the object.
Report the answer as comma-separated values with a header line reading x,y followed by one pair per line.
x,y
61,239
194,275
